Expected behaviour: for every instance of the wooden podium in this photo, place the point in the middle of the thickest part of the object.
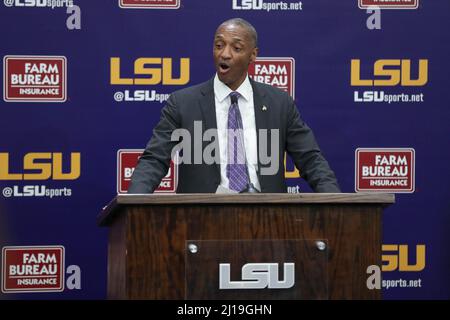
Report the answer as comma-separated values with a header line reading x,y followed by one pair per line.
x,y
178,246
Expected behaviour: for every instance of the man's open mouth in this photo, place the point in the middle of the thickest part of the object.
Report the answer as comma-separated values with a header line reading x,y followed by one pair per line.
x,y
224,67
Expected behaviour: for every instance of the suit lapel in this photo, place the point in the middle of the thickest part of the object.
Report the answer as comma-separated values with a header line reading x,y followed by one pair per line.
x,y
261,119
208,108
261,109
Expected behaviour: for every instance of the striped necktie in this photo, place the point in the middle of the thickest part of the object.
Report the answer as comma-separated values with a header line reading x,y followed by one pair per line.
x,y
237,172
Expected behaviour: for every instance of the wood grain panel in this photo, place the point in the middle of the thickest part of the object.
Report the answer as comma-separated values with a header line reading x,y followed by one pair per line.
x,y
156,238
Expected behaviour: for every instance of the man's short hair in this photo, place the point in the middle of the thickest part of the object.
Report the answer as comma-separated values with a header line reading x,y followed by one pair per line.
x,y
246,25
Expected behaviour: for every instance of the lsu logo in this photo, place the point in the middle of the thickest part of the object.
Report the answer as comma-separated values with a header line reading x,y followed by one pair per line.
x,y
248,5
391,72
287,173
258,276
399,258
151,71
149,4
41,166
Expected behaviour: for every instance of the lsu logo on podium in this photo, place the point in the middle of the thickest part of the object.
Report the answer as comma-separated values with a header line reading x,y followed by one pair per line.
x,y
127,160
258,276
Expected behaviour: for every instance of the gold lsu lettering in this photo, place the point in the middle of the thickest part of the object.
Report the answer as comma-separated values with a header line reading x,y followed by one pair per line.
x,y
394,71
398,260
161,72
45,164
290,174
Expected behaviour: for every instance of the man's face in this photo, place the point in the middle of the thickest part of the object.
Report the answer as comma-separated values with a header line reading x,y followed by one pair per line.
x,y
234,51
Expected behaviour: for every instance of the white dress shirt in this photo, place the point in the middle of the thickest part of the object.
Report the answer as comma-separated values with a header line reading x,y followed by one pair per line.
x,y
247,110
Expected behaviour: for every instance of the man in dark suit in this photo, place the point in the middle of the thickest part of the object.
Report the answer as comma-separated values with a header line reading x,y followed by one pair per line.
x,y
265,118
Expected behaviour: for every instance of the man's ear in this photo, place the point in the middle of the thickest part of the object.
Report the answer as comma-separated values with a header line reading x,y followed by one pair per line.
x,y
254,55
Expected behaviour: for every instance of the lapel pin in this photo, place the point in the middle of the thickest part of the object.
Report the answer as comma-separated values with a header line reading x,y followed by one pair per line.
x,y
264,108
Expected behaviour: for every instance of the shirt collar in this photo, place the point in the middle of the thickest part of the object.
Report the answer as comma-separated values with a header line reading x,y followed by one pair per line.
x,y
222,91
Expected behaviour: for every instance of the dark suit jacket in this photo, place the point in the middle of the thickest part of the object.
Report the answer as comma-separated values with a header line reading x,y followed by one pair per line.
x,y
197,103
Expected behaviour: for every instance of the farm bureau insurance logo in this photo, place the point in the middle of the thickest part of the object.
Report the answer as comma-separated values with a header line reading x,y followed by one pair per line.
x,y
39,166
389,4
385,170
33,269
149,4
34,78
147,72
127,160
275,71
389,74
